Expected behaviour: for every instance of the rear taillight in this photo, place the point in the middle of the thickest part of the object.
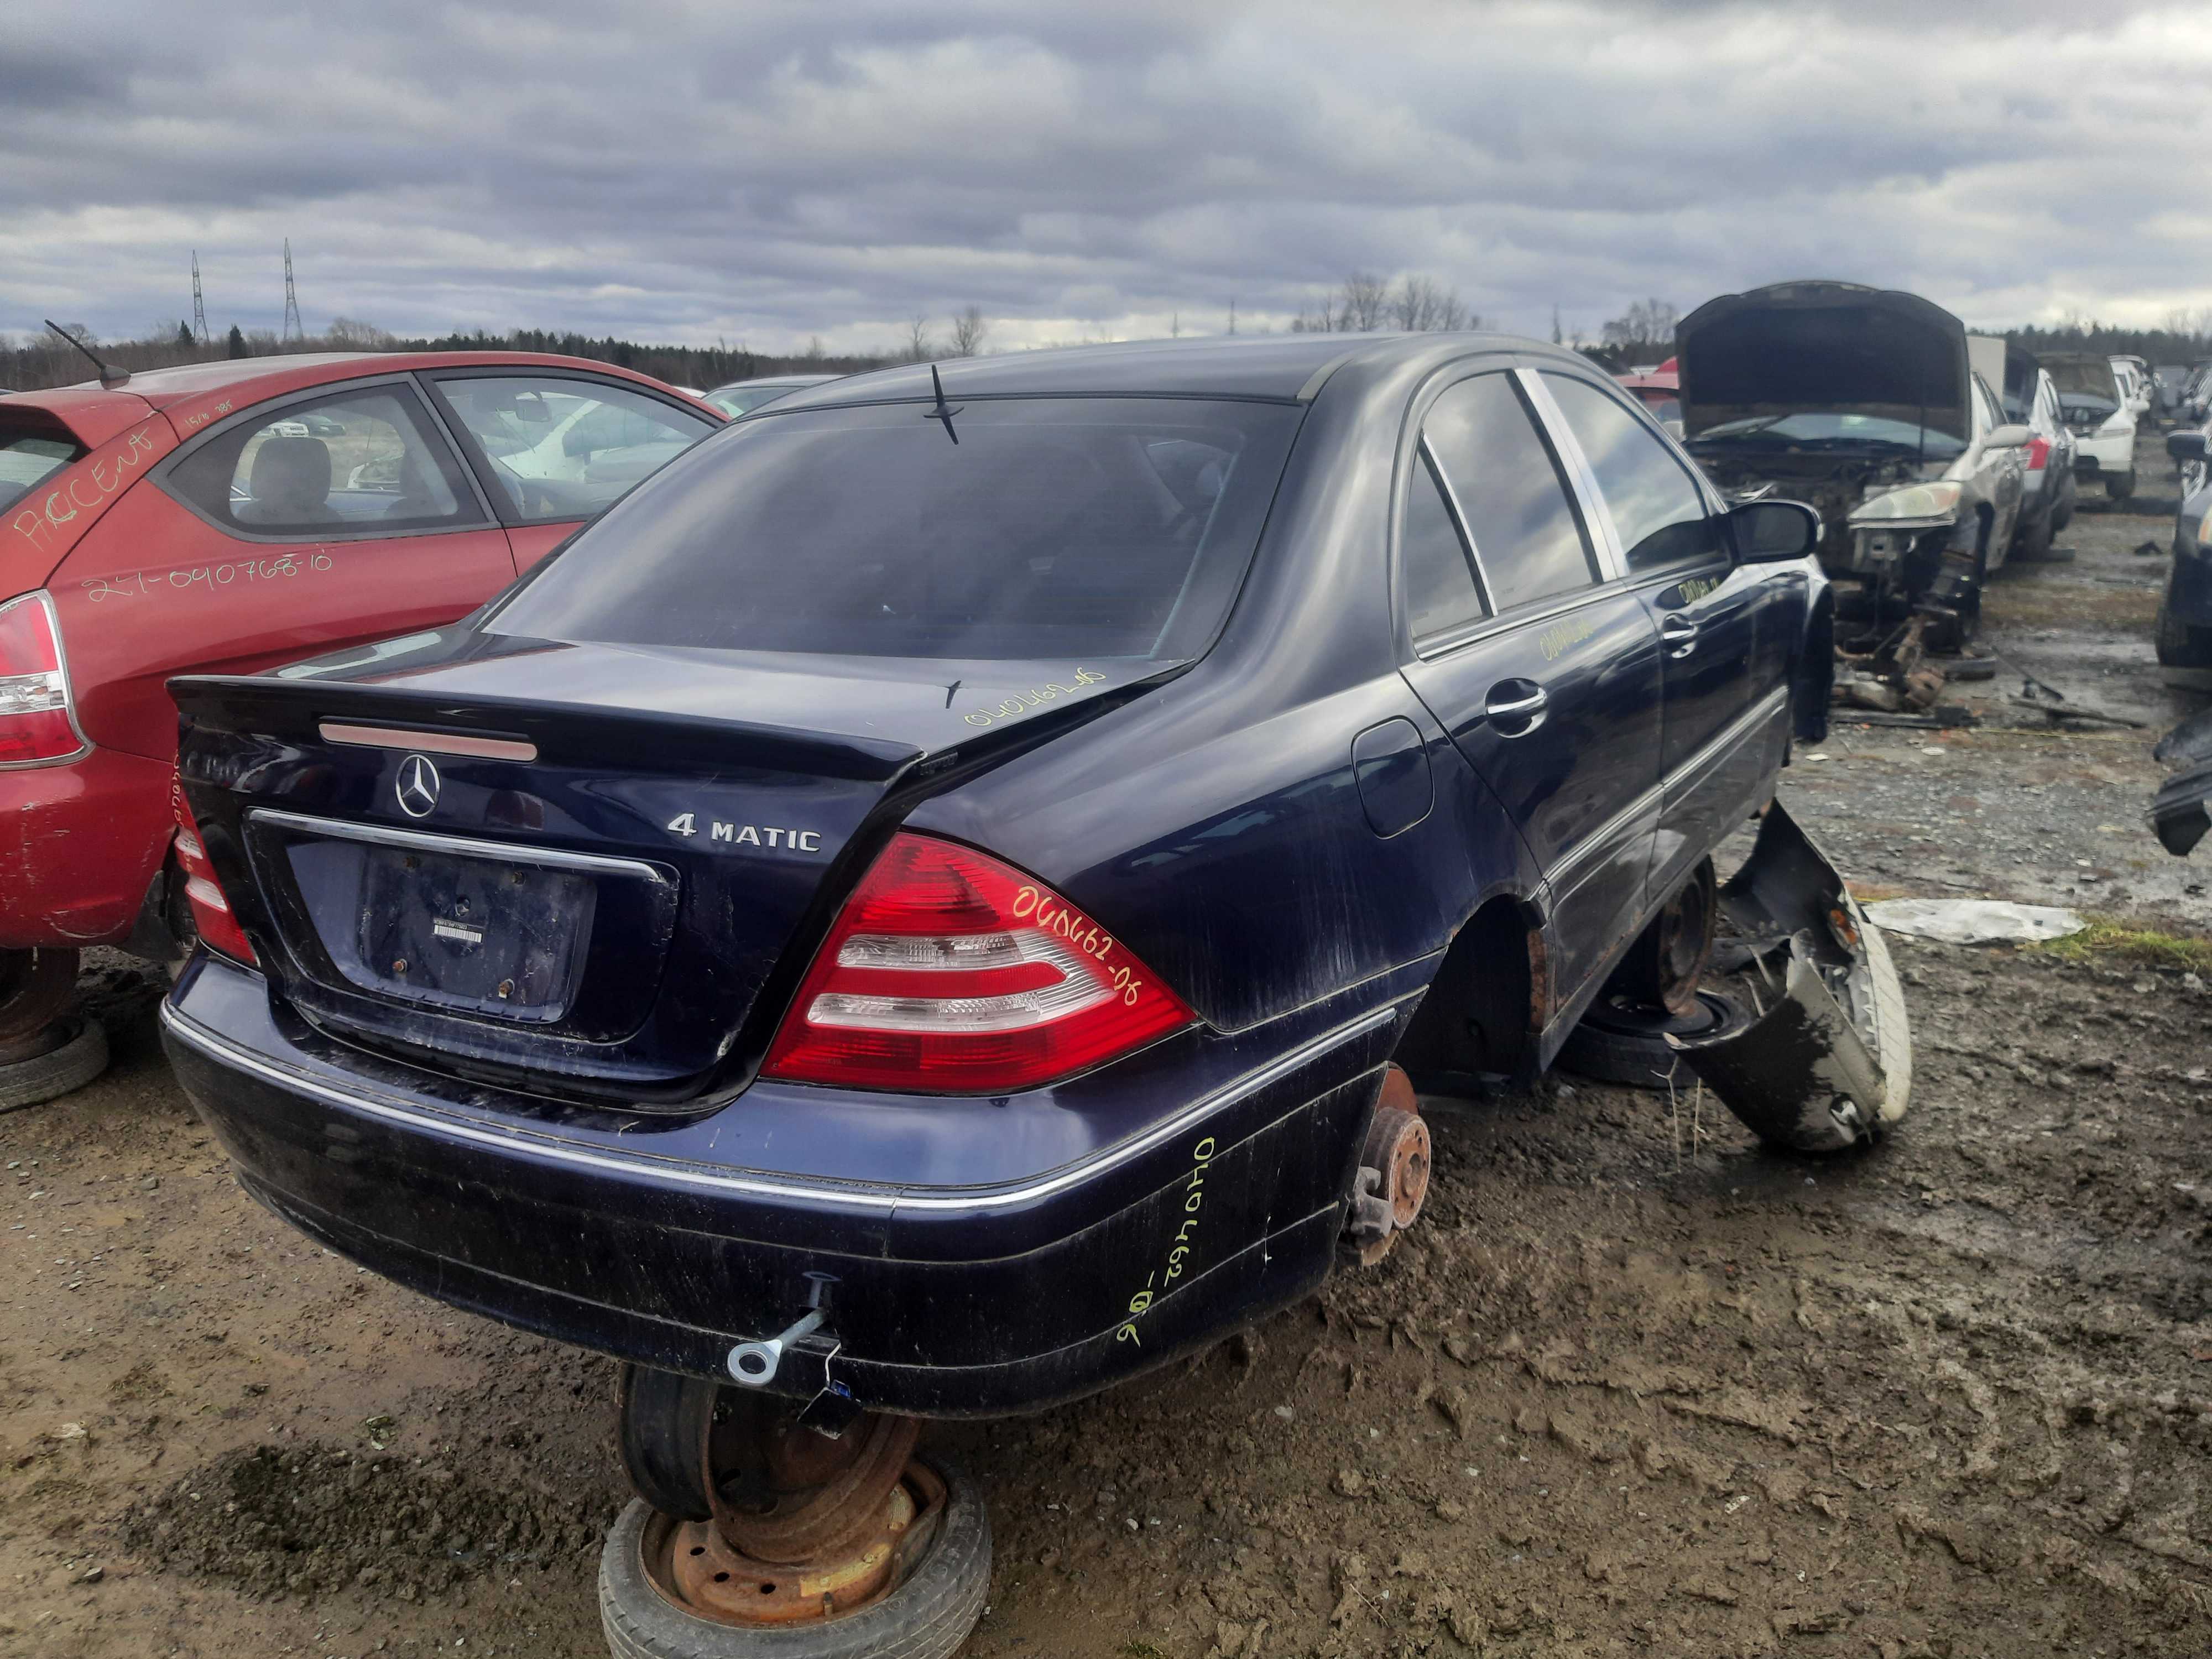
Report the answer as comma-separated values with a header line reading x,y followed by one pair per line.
x,y
2039,453
36,720
950,973
211,914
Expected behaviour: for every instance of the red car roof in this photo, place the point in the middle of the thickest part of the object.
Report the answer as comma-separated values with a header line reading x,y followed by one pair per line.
x,y
193,392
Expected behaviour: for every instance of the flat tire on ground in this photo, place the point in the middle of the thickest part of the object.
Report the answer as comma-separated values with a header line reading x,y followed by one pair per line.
x,y
927,1617
79,1057
1627,1045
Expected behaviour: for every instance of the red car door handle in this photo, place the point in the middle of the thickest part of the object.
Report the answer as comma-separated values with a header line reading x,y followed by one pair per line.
x,y
1515,708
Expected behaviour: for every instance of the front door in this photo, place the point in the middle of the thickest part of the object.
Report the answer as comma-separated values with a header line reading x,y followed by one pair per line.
x,y
1545,673
1724,707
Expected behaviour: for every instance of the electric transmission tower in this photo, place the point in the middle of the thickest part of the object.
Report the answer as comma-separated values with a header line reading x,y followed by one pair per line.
x,y
199,304
294,329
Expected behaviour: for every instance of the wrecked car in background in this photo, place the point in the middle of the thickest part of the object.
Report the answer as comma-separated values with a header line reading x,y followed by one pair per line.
x,y
234,516
1863,402
2101,412
2184,632
936,902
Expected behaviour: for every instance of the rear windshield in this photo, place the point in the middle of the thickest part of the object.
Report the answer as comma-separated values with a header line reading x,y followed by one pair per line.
x,y
1091,526
27,459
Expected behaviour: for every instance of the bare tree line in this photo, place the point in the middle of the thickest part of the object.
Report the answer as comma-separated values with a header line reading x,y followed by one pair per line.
x,y
1363,303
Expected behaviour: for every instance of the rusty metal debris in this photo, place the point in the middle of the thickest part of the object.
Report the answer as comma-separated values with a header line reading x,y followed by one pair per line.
x,y
1394,1170
1826,1064
1895,678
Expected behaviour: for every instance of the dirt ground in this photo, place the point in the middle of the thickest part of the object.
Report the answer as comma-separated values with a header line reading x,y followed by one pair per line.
x,y
1634,1386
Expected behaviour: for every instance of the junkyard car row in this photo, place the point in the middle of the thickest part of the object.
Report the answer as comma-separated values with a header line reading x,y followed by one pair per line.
x,y
946,894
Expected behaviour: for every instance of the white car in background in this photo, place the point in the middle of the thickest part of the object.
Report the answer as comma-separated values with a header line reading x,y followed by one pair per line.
x,y
2101,412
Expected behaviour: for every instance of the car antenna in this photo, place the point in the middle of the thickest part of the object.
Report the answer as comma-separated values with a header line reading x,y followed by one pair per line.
x,y
941,413
109,375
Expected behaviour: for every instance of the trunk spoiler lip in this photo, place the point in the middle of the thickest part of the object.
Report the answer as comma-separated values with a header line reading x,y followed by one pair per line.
x,y
552,726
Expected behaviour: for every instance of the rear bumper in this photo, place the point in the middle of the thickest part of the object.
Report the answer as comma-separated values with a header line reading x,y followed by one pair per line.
x,y
78,844
2094,456
944,1301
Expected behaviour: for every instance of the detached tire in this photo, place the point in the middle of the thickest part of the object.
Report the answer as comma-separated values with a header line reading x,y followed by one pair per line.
x,y
81,1056
927,1617
2118,486
1621,1043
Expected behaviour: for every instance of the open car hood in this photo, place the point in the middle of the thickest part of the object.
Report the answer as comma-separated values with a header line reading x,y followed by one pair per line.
x,y
1793,347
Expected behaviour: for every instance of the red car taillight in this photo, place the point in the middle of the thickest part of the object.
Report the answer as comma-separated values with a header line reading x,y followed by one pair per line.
x,y
219,928
37,719
2039,453
950,973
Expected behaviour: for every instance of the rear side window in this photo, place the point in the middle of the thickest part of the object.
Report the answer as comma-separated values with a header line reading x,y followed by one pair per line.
x,y
1657,510
1440,587
364,463
563,448
28,458
1529,542
1078,528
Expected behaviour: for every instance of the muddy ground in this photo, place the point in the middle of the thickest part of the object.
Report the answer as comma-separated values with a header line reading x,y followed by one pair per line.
x,y
1635,1387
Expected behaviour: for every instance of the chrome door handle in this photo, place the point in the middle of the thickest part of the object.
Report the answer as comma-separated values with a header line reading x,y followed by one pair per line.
x,y
1679,634
1514,712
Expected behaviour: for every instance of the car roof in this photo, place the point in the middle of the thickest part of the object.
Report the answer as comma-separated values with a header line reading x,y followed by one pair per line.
x,y
776,380
251,379
1282,367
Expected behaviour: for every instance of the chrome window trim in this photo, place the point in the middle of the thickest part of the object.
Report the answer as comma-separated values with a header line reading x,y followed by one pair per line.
x,y
886,1200
1613,562
550,858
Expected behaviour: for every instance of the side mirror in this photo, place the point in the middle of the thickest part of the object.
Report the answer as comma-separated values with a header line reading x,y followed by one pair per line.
x,y
2013,436
2185,445
1774,532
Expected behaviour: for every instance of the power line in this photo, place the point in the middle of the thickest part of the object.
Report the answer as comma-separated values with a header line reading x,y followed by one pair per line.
x,y
199,304
294,329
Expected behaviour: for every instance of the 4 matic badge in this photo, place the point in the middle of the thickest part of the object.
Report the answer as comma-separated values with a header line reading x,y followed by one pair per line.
x,y
748,834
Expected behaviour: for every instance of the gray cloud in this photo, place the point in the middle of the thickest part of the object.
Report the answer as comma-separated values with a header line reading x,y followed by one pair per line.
x,y
780,171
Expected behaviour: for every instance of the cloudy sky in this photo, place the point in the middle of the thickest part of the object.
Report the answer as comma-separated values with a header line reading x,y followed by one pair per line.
x,y
764,173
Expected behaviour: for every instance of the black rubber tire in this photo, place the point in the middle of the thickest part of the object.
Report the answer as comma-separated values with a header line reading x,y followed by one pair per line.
x,y
929,1617
2118,486
80,1057
2178,645
2061,514
1614,1044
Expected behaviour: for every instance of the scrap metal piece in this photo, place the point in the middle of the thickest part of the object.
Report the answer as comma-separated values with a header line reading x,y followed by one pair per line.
x,y
1828,1065
2178,811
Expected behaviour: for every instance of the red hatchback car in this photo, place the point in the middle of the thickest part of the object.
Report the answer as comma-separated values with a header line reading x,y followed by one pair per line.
x,y
225,517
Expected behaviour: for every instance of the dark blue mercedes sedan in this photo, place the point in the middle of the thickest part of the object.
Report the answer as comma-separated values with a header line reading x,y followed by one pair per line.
x,y
926,906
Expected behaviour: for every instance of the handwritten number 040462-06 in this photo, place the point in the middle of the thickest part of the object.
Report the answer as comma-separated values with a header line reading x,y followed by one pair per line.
x,y
151,584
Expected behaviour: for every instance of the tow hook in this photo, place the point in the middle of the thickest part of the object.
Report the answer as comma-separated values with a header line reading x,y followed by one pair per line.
x,y
754,1365
1393,1177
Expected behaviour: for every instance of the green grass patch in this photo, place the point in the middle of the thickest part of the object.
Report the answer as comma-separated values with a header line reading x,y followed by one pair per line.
x,y
2110,942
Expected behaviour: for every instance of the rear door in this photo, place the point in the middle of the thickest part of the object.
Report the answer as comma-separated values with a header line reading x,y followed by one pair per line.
x,y
556,449
296,526
1725,644
1544,668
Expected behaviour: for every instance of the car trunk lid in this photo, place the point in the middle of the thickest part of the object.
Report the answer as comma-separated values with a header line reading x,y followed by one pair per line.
x,y
580,868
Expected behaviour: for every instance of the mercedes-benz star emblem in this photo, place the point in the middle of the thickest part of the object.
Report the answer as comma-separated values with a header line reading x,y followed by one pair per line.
x,y
418,787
